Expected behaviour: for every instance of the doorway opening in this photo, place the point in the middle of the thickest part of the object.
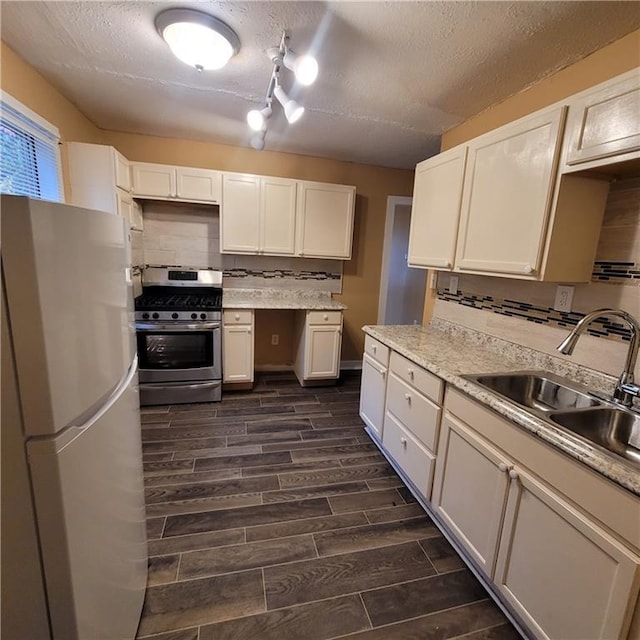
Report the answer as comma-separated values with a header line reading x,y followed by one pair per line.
x,y
402,288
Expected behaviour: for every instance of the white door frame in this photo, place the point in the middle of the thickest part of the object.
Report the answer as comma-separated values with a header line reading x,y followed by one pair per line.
x,y
392,203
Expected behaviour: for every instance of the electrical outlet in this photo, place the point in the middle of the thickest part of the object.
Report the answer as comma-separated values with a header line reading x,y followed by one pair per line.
x,y
564,298
453,284
275,339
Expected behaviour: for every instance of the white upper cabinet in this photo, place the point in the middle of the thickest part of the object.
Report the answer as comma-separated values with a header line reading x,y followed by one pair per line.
x,y
167,182
100,178
240,214
258,215
508,194
604,124
277,216
435,213
325,220
282,216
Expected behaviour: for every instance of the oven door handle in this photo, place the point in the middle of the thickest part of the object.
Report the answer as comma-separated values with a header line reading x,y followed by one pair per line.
x,y
199,326
181,385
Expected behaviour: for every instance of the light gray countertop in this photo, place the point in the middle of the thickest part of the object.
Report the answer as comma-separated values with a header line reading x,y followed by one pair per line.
x,y
450,351
280,299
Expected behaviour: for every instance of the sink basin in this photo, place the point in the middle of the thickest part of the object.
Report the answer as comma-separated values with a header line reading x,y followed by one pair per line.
x,y
541,391
616,430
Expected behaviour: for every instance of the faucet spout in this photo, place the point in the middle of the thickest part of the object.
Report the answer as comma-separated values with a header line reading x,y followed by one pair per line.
x,y
625,389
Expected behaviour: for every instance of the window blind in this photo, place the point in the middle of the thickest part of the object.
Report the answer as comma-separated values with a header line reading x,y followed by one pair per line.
x,y
29,157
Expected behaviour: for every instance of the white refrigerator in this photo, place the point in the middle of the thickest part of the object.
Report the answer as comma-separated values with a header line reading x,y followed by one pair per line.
x,y
74,556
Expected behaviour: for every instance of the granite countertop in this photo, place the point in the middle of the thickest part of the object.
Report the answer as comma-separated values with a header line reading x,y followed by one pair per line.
x,y
450,351
280,299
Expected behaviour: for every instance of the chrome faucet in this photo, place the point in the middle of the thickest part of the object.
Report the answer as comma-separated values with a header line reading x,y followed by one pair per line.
x,y
625,389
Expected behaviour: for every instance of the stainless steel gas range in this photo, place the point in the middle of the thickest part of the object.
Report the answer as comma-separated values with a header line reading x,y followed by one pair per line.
x,y
178,328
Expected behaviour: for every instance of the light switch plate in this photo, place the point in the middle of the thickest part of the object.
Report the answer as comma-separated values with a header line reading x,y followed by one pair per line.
x,y
453,284
564,298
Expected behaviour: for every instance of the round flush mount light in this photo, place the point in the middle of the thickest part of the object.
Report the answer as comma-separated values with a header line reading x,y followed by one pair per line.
x,y
198,39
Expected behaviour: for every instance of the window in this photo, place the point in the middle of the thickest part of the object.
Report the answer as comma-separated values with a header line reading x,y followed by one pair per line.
x,y
29,156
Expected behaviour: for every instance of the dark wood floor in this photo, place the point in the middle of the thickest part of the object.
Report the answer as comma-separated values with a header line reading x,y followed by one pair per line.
x,y
273,516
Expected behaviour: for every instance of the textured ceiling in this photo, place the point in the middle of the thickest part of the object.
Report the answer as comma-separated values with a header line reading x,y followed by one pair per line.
x,y
393,75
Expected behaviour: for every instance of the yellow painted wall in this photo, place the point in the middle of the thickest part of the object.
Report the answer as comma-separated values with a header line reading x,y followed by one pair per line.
x,y
612,60
24,83
361,280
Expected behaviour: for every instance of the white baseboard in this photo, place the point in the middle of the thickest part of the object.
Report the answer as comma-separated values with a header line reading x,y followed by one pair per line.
x,y
345,365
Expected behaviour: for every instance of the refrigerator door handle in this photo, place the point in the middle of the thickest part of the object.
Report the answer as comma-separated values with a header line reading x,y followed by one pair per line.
x,y
113,398
48,446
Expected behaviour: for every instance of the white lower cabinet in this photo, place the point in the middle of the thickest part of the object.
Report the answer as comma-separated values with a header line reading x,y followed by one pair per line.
x,y
562,573
373,388
237,346
318,345
415,460
412,420
470,491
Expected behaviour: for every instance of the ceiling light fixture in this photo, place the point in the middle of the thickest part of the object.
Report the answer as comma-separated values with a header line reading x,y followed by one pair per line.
x,y
198,39
305,69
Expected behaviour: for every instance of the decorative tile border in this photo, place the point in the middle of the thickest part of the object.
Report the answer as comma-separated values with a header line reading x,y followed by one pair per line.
x,y
601,328
616,272
281,274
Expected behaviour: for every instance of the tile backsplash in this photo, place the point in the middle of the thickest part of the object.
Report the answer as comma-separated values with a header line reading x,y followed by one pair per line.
x,y
189,235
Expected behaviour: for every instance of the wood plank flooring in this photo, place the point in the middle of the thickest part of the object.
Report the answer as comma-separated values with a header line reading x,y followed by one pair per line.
x,y
272,516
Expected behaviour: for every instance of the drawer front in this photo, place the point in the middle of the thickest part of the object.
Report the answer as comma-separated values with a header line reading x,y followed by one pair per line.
x,y
376,350
324,317
425,382
237,316
417,413
416,462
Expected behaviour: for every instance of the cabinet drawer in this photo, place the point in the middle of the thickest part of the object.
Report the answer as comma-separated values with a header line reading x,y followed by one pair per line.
x,y
237,316
416,462
324,317
376,350
414,411
425,382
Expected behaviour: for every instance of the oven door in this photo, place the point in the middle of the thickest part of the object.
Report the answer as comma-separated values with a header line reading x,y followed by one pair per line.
x,y
176,351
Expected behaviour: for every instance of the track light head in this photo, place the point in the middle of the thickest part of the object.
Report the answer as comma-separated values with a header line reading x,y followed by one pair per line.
x,y
304,67
257,140
257,119
292,110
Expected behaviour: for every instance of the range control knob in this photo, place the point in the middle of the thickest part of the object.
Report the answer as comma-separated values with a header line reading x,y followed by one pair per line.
x,y
174,315
145,316
194,316
203,316
155,316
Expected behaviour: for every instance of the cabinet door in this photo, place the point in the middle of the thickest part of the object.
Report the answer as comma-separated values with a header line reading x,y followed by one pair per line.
x,y
561,573
201,185
322,352
122,171
605,122
125,206
237,353
372,394
325,220
435,213
508,191
277,216
470,490
240,214
153,180
136,220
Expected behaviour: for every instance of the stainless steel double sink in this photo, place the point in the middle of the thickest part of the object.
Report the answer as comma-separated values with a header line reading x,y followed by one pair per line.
x,y
570,407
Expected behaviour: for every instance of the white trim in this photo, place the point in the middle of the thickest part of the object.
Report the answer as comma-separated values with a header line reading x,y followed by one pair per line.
x,y
392,203
14,103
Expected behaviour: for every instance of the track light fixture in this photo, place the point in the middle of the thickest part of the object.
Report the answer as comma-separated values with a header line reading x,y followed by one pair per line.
x,y
305,69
